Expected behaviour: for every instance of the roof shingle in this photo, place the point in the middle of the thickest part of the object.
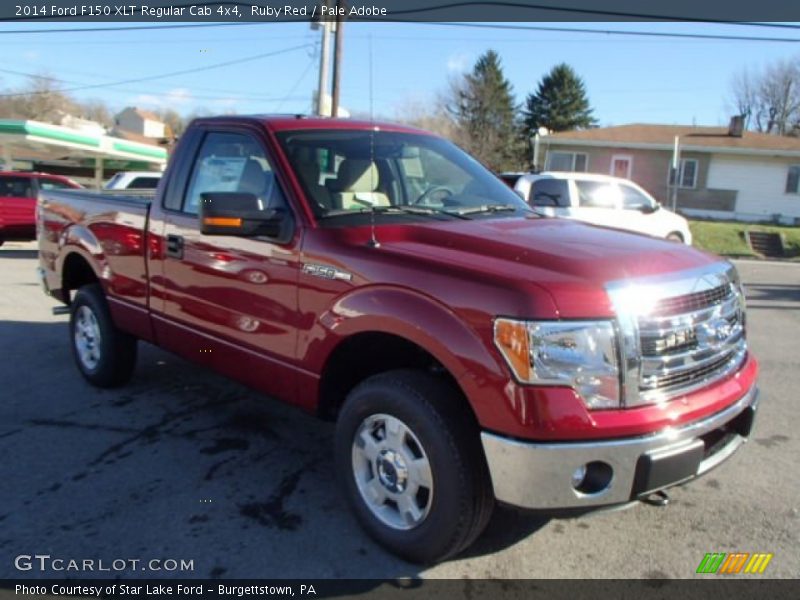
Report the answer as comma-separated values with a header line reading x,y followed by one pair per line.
x,y
664,135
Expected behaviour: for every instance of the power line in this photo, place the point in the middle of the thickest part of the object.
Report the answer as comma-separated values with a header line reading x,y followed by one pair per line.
x,y
230,95
165,75
500,26
661,34
298,82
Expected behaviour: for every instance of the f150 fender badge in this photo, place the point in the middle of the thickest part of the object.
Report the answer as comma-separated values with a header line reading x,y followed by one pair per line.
x,y
326,272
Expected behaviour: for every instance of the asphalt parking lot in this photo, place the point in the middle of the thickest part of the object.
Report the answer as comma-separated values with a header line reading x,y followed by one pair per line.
x,y
184,464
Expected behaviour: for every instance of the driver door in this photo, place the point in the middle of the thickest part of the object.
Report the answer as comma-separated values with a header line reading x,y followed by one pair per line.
x,y
231,302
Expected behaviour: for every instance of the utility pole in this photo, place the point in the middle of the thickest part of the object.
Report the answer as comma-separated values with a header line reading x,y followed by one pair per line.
x,y
337,58
322,87
324,59
676,163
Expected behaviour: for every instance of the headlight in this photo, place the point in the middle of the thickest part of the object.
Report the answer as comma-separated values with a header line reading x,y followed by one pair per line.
x,y
579,354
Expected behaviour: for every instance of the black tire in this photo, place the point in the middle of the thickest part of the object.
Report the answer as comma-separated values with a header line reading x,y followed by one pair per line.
x,y
115,350
438,417
675,237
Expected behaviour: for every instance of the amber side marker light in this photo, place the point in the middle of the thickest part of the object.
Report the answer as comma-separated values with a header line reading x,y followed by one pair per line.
x,y
511,338
222,221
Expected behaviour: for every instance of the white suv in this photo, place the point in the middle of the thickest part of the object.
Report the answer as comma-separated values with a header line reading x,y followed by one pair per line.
x,y
601,200
134,180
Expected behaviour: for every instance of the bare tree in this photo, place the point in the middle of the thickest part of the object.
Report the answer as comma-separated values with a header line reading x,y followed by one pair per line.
x,y
174,121
770,100
432,117
39,100
97,111
744,96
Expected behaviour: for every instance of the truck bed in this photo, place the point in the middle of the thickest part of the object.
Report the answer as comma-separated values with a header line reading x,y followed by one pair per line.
x,y
106,229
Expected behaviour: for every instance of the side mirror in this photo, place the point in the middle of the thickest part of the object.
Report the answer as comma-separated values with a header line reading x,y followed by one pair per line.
x,y
241,214
649,208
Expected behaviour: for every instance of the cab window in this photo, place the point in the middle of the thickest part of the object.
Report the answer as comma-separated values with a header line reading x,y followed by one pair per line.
x,y
232,162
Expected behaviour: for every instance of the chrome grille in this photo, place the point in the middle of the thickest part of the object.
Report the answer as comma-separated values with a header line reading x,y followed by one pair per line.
x,y
680,350
695,301
678,332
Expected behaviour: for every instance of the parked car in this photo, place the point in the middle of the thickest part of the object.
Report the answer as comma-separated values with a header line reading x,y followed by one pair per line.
x,y
469,349
510,178
134,180
602,200
18,190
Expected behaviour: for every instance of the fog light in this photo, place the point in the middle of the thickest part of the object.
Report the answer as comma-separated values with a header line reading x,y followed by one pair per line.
x,y
578,476
592,478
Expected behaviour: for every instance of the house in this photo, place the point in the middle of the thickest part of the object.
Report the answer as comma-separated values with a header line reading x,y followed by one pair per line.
x,y
140,122
78,123
723,173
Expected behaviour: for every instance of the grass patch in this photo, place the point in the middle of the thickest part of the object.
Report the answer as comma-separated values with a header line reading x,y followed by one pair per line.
x,y
726,238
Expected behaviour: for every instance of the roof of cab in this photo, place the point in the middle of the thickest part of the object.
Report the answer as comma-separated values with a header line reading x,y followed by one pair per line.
x,y
296,122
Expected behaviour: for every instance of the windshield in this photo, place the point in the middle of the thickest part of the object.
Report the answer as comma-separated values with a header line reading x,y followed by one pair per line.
x,y
347,172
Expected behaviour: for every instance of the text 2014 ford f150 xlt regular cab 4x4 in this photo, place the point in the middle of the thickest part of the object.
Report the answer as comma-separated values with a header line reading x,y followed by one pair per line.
x,y
470,350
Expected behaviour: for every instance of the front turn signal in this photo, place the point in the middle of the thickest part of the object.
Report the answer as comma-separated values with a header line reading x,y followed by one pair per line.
x,y
513,341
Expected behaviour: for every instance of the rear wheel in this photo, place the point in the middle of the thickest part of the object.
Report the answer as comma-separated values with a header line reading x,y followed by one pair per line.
x,y
409,458
105,356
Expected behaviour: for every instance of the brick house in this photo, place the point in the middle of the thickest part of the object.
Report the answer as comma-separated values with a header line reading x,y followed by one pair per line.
x,y
723,173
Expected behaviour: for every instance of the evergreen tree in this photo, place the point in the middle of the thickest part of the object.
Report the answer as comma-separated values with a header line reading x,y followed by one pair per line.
x,y
560,103
482,104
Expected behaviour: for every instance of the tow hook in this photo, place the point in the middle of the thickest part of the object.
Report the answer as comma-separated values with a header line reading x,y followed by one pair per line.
x,y
659,498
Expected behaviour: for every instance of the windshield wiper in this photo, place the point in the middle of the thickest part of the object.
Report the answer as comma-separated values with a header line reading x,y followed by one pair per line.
x,y
400,209
483,208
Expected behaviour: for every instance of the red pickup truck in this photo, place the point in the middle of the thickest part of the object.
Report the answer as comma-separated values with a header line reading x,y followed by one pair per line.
x,y
18,191
469,349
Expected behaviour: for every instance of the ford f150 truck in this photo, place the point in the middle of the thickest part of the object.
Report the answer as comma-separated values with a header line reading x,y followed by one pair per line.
x,y
470,350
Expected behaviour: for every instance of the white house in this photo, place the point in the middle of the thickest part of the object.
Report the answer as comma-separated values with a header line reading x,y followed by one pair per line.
x,y
141,122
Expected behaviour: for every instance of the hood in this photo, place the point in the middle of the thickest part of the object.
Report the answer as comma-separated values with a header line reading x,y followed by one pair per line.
x,y
571,260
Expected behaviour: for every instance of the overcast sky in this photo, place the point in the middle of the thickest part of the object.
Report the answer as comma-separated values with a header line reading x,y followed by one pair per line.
x,y
629,79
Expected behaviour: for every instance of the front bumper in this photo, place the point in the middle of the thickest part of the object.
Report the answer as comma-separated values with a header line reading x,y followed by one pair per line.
x,y
539,476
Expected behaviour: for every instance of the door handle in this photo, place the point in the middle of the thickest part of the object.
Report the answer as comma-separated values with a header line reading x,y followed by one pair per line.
x,y
175,246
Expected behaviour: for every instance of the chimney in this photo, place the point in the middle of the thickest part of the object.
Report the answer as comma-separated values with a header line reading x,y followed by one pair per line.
x,y
736,127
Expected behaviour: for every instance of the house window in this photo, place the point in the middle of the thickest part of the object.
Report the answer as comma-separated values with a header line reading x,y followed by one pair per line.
x,y
793,179
567,161
686,174
621,166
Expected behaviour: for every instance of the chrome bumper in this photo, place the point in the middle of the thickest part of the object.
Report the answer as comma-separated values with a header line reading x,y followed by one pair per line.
x,y
539,476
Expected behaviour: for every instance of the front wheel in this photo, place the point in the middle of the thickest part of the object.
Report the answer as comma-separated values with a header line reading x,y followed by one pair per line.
x,y
409,458
675,237
105,356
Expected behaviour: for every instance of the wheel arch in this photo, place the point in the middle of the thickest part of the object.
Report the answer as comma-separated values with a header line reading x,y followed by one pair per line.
x,y
384,329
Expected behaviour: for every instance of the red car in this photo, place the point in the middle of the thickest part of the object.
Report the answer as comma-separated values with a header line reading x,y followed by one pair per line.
x,y
18,191
469,349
